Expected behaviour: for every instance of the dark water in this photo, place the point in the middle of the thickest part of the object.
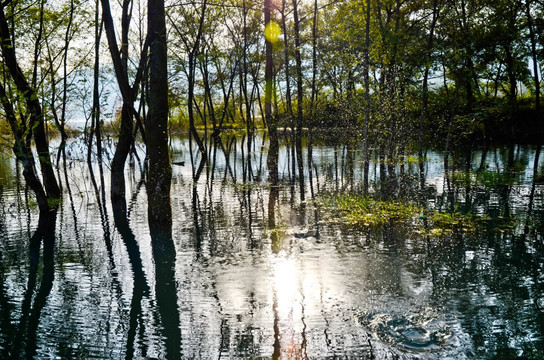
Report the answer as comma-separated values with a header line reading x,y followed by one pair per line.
x,y
259,274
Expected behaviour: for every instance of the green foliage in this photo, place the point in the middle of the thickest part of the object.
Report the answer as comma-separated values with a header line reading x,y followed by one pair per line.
x,y
454,221
362,210
366,211
54,202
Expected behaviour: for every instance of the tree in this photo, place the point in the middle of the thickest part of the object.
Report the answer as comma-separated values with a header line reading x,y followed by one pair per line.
x,y
159,175
129,93
427,66
268,78
35,128
300,98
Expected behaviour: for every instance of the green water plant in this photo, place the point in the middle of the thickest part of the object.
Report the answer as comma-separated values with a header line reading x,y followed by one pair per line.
x,y
455,221
364,210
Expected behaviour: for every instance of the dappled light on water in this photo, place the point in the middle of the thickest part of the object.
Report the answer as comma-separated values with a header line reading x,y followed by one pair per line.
x,y
255,273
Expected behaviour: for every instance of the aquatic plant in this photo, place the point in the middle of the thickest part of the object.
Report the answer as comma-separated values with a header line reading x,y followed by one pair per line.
x,y
364,210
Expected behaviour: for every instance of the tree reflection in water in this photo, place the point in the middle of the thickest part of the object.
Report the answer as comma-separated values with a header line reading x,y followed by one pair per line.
x,y
247,271
23,341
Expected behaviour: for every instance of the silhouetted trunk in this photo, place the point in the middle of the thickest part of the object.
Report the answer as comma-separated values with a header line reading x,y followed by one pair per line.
x,y
159,180
425,90
512,93
23,153
313,97
288,98
287,75
118,188
37,120
208,100
300,94
534,55
366,71
67,39
159,176
191,82
120,59
245,73
470,79
272,160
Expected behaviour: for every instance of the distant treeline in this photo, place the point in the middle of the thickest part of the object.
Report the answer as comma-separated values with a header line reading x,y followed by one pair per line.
x,y
398,71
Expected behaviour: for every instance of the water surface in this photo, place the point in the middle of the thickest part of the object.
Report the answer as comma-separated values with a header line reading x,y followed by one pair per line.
x,y
258,273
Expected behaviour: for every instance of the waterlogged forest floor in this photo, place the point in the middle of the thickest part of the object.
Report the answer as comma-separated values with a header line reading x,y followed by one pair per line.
x,y
365,211
372,209
444,263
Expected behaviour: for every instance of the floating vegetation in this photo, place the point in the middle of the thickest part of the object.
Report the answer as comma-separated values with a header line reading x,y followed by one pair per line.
x,y
363,210
494,179
455,221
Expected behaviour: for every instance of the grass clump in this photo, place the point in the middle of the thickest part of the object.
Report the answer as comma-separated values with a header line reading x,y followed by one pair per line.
x,y
363,210
443,222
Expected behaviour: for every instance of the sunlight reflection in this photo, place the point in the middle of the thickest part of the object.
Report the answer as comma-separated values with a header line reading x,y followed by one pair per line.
x,y
285,283
289,317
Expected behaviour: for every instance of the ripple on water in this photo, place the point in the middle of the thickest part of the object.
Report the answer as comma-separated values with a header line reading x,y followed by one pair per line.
x,y
413,331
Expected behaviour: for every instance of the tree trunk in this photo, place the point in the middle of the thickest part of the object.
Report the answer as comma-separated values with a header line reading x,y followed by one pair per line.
x,y
119,57
37,120
287,75
272,160
534,55
159,176
366,72
23,153
313,97
425,90
191,83
299,101
244,87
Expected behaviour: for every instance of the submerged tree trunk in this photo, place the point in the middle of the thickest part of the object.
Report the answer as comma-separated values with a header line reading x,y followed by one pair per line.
x,y
191,82
34,108
366,72
120,58
272,160
288,97
287,75
159,176
425,90
299,101
534,55
23,153
313,97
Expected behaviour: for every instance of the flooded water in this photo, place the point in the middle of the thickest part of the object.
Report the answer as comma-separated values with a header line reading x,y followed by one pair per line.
x,y
256,273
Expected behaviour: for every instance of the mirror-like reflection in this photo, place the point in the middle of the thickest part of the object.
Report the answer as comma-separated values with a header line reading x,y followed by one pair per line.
x,y
247,270
21,337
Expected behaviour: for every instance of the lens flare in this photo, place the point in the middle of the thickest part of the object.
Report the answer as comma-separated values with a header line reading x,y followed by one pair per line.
x,y
272,31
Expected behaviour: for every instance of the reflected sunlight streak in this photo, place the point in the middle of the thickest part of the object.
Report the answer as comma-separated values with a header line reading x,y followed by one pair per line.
x,y
286,283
